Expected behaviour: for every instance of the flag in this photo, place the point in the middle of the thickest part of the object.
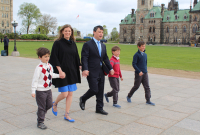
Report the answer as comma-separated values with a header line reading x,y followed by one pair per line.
x,y
77,17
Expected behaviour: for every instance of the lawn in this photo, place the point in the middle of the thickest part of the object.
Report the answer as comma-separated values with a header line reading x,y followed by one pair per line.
x,y
168,57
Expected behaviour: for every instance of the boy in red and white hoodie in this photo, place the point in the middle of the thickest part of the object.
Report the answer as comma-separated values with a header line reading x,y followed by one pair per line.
x,y
114,79
41,85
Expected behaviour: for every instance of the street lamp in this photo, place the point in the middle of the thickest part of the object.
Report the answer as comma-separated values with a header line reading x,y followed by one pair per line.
x,y
151,41
15,52
178,42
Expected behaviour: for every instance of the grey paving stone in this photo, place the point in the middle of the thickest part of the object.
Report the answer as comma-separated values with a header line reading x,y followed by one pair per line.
x,y
5,115
139,129
22,121
74,131
195,116
179,131
32,130
183,95
5,105
193,99
182,109
173,98
119,118
170,115
6,127
164,102
158,122
189,104
189,124
98,127
21,109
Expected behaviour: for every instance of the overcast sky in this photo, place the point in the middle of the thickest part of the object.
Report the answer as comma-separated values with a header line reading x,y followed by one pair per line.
x,y
91,12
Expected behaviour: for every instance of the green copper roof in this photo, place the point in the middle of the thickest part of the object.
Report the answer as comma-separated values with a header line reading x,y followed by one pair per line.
x,y
196,7
180,13
129,20
156,11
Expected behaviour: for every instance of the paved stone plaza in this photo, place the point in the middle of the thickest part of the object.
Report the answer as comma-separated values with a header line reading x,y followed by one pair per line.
x,y
177,110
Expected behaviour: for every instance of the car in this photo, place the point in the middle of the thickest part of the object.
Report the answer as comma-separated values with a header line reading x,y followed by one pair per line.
x,y
103,41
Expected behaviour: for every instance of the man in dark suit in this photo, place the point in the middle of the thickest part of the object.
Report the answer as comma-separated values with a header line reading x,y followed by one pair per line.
x,y
92,55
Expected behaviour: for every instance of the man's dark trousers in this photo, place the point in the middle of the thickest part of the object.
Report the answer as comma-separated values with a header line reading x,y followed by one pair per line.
x,y
114,83
96,87
6,49
44,102
145,82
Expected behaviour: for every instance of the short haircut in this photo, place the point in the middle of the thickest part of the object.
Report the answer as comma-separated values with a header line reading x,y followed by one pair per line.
x,y
141,43
96,27
115,48
42,51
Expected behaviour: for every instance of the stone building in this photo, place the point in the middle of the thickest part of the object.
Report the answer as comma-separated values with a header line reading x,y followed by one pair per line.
x,y
158,24
6,16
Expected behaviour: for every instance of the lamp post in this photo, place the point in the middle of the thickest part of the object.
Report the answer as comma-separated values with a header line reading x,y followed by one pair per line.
x,y
151,41
15,52
178,42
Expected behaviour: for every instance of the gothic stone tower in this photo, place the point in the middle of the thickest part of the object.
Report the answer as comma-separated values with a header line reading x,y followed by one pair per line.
x,y
143,8
6,16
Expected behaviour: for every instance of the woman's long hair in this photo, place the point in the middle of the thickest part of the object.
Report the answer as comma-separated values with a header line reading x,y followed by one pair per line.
x,y
60,35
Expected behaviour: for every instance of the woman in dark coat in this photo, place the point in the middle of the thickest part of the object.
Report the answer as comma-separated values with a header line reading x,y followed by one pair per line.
x,y
65,60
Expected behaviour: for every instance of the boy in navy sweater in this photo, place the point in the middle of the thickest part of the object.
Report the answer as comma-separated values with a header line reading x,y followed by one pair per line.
x,y
141,76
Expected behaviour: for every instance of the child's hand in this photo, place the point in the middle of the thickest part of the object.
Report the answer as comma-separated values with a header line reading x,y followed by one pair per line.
x,y
33,95
62,75
122,79
141,73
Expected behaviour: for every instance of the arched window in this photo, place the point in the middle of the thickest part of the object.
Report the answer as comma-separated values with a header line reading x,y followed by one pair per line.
x,y
167,17
7,15
124,39
141,20
143,2
167,30
184,29
176,17
141,29
154,38
154,29
150,29
2,23
176,30
7,24
185,17
195,28
195,18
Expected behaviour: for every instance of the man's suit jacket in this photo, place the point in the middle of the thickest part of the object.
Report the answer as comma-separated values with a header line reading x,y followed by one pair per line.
x,y
90,58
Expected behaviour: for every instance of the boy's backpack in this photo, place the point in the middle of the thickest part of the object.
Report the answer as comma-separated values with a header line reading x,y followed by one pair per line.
x,y
3,53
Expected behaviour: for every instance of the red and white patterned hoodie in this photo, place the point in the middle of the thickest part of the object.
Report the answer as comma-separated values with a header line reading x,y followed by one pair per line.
x,y
42,79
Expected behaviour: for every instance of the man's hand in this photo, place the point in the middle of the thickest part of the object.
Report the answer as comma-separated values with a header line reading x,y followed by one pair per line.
x,y
140,74
112,72
122,79
33,95
85,73
62,74
80,67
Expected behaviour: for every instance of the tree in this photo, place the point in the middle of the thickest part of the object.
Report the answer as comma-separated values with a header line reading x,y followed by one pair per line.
x,y
41,30
114,34
48,22
58,29
29,13
105,31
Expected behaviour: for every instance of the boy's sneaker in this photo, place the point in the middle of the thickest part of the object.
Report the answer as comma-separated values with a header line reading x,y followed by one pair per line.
x,y
150,103
41,126
106,98
128,99
116,105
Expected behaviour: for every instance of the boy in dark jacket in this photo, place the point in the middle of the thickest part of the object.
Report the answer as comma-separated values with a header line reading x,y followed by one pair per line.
x,y
141,76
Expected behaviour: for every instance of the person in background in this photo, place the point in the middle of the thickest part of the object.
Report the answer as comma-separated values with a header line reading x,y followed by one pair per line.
x,y
6,43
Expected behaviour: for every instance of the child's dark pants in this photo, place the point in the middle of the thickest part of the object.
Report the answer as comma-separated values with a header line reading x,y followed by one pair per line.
x,y
145,82
44,102
114,83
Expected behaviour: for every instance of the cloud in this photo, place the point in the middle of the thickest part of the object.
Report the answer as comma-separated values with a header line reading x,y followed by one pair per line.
x,y
91,12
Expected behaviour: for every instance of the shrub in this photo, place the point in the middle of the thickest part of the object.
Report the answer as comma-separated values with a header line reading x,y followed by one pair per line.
x,y
34,36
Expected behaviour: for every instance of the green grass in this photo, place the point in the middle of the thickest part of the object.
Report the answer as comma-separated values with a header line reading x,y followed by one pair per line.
x,y
168,57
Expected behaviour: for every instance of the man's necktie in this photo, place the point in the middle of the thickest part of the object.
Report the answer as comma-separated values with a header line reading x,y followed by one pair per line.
x,y
99,47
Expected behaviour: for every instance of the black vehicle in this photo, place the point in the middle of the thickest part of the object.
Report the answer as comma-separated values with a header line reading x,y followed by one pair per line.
x,y
103,41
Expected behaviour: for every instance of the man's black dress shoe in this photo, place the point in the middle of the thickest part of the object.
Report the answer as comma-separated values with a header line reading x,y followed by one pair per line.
x,y
102,112
82,104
